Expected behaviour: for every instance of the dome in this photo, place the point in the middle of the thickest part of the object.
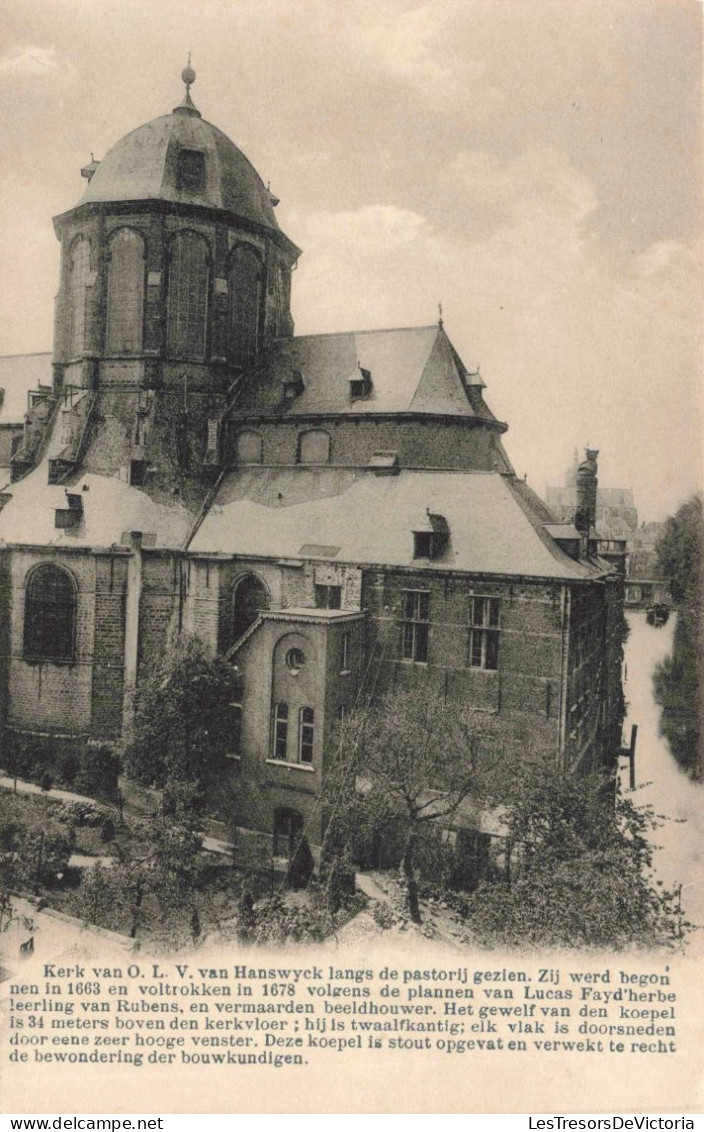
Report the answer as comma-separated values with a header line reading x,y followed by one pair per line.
x,y
145,165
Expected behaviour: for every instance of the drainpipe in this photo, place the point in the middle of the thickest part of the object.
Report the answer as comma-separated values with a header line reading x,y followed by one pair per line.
x,y
133,600
565,618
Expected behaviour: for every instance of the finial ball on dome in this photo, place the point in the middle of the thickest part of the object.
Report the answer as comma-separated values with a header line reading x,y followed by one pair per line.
x,y
188,75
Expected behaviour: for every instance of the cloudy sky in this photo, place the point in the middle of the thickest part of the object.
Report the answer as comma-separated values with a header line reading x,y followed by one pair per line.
x,y
534,164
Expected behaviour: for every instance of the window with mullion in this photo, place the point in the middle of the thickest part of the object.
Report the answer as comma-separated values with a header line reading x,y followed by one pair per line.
x,y
415,629
484,632
50,615
245,290
187,302
280,744
306,734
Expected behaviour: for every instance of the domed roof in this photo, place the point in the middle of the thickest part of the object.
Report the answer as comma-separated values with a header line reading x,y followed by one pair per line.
x,y
144,165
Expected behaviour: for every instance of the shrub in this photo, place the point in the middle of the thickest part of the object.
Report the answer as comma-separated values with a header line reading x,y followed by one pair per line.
x,y
80,814
98,773
69,768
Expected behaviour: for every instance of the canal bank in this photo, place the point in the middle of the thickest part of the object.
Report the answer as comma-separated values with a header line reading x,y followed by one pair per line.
x,y
659,780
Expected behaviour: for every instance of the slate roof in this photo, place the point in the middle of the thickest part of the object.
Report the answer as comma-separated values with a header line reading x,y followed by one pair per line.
x,y
18,374
281,512
143,166
413,370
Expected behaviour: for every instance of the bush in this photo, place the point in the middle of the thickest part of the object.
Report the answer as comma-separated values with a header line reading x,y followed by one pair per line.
x,y
98,773
276,922
69,768
107,831
81,814
301,865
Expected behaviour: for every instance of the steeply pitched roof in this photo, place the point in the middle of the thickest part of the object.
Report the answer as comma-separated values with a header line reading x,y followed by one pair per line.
x,y
282,512
412,370
19,373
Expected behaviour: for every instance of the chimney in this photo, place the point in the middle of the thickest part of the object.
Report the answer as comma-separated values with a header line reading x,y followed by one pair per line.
x,y
585,515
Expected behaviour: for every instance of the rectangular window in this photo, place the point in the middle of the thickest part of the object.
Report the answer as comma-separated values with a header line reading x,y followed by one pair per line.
x,y
306,732
280,744
345,653
328,597
414,632
484,632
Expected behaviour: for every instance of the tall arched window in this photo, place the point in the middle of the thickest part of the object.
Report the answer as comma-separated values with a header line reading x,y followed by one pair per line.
x,y
245,288
78,269
281,298
50,614
314,447
249,598
125,292
187,303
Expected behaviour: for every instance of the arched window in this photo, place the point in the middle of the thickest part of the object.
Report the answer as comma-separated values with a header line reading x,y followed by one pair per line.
x,y
245,288
125,292
281,299
187,303
250,597
314,447
248,448
78,268
49,614
280,733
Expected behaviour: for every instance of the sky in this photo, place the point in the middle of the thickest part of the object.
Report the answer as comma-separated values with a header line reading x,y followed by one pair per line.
x,y
534,165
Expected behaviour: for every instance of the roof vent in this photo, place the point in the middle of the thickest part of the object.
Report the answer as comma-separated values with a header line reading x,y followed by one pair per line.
x,y
67,517
384,463
88,170
293,385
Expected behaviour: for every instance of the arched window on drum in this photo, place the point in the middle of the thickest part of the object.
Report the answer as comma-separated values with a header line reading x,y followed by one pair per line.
x,y
125,292
78,271
245,295
187,301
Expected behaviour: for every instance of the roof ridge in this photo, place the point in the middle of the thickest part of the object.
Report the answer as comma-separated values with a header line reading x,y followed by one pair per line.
x,y
30,354
342,333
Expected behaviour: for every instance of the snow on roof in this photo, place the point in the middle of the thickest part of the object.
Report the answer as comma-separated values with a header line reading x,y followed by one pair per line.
x,y
110,507
275,512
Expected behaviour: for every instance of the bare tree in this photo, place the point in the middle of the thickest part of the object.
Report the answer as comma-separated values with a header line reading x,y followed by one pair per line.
x,y
411,758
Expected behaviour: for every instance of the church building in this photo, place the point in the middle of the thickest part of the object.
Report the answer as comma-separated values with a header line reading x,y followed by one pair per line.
x,y
324,510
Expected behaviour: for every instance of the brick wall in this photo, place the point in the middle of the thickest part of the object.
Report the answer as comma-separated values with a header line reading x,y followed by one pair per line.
x,y
419,443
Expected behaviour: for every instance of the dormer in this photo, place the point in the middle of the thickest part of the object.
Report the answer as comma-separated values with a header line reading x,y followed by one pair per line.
x,y
431,538
191,171
361,384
